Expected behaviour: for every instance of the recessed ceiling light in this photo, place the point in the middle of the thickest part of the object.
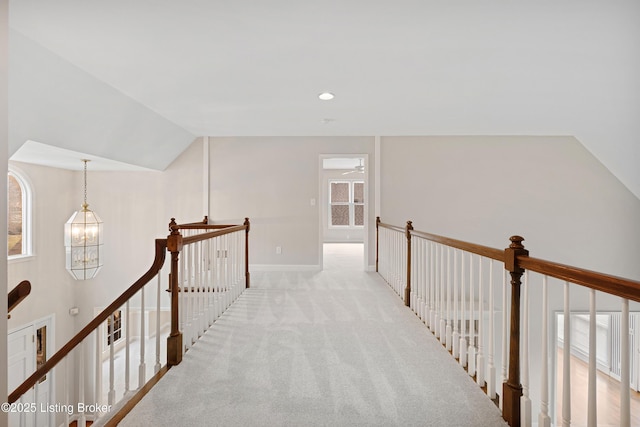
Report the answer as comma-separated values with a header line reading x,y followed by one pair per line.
x,y
326,96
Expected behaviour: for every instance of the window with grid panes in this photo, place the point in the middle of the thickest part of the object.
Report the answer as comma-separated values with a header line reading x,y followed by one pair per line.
x,y
346,203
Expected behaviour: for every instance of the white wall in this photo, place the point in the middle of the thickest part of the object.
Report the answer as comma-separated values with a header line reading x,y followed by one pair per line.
x,y
550,190
272,180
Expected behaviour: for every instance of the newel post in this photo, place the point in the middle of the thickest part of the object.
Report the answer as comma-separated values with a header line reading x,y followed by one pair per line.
x,y
174,341
512,389
246,253
407,291
377,240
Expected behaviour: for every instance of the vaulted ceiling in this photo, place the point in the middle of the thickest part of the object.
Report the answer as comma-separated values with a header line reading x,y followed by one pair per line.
x,y
137,81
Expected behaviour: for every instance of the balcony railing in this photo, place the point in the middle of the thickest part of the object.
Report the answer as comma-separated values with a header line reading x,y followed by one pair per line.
x,y
462,293
208,271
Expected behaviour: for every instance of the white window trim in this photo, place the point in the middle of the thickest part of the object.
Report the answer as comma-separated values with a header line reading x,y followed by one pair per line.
x,y
351,204
27,216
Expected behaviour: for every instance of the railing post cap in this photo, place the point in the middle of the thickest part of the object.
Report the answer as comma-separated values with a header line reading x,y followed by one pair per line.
x,y
516,242
173,226
407,229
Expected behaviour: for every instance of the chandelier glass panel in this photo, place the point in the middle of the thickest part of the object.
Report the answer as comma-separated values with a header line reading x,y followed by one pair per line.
x,y
83,234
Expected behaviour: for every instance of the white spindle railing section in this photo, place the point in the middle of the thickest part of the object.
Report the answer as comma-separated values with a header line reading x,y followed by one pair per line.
x,y
211,279
393,258
454,289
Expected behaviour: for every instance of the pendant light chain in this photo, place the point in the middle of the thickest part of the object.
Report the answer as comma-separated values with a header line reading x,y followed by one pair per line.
x,y
85,205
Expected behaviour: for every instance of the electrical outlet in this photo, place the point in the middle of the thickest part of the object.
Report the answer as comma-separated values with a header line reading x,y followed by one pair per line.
x,y
278,250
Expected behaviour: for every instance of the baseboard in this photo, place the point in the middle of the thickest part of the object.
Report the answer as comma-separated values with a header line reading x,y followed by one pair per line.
x,y
280,267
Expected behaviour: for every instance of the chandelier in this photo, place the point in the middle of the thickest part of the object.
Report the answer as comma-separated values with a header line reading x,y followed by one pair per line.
x,y
83,240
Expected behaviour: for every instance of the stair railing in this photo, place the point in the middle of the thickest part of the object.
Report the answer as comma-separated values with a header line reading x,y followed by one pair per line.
x,y
452,285
201,284
17,295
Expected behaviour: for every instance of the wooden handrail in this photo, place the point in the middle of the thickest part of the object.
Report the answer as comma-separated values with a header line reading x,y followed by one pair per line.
x,y
391,227
481,250
619,286
211,234
625,288
18,294
160,255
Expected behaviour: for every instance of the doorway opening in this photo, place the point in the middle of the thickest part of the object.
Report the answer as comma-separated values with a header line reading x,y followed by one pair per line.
x,y
344,209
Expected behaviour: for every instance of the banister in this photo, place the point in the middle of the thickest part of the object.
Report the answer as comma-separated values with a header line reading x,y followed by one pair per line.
x,y
18,294
160,255
625,288
516,260
481,250
211,234
391,227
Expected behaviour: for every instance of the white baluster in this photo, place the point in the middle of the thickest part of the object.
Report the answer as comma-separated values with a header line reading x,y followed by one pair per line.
x,y
415,281
443,304
566,361
449,330
592,416
543,418
158,294
438,327
66,389
525,401
182,299
463,321
210,260
98,362
127,348
471,356
82,422
480,364
505,331
425,279
111,396
193,318
625,396
204,324
199,312
491,368
432,286
143,367
456,329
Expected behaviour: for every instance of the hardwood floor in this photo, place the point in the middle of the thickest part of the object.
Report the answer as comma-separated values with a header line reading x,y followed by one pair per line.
x,y
608,396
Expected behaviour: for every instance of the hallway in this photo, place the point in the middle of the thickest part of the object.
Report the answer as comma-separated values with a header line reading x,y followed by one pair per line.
x,y
334,348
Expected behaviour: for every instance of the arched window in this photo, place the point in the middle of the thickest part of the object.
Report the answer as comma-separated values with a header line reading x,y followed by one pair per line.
x,y
18,216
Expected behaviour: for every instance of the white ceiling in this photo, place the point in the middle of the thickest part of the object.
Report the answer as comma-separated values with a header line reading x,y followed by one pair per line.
x,y
402,67
49,155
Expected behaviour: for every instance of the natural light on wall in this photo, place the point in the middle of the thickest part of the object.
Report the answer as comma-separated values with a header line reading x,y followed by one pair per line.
x,y
83,235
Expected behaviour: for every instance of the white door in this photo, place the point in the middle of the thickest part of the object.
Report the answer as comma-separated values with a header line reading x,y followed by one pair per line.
x,y
28,347
22,362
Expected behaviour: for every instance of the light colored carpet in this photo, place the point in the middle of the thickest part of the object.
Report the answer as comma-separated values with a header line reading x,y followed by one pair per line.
x,y
334,348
